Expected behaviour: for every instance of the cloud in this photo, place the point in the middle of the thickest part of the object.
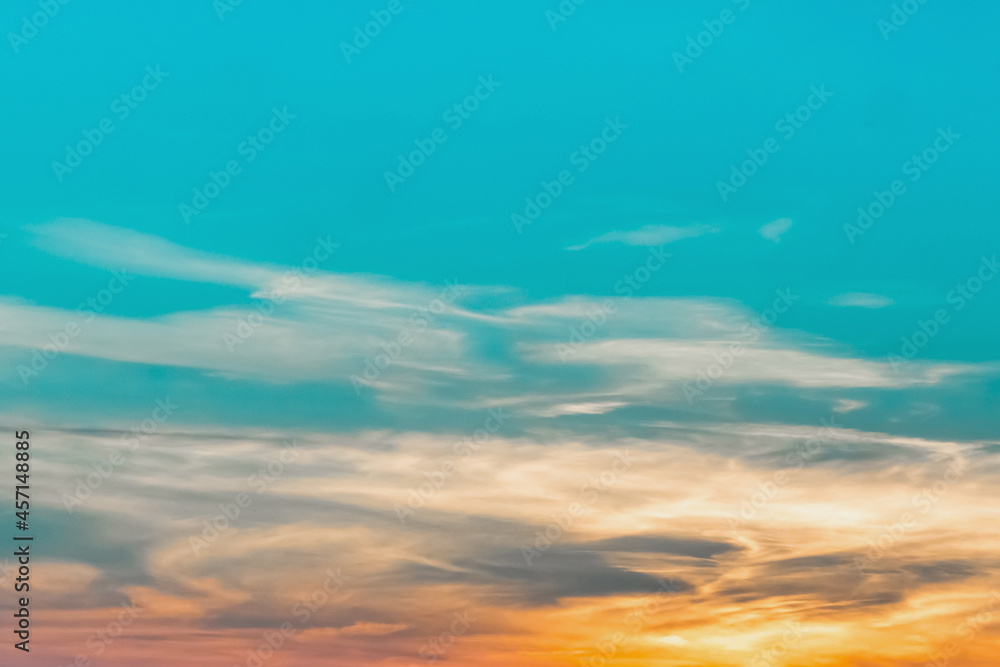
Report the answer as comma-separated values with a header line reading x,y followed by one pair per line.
x,y
669,518
310,340
845,405
944,571
647,367
672,640
860,300
330,327
559,573
312,324
650,235
656,544
580,409
105,246
774,230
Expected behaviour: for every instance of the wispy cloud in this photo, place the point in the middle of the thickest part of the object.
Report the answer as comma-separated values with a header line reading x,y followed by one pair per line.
x,y
652,366
329,323
773,231
861,300
650,235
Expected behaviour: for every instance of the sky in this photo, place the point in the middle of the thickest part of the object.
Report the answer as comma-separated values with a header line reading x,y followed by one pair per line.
x,y
403,332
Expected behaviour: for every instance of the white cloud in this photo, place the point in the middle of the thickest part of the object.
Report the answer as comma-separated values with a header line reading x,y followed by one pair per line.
x,y
317,325
301,341
650,235
774,230
329,324
861,300
650,348
580,409
847,405
654,365
111,247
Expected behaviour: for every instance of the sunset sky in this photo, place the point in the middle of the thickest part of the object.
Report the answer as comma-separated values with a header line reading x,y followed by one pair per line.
x,y
511,333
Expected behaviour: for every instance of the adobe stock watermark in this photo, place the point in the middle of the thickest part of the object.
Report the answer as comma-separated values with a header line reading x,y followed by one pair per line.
x,y
85,486
437,647
249,149
775,654
899,17
437,478
968,629
751,332
635,622
598,316
922,503
582,159
562,12
363,36
122,107
99,641
786,126
419,322
260,481
914,168
958,298
273,641
59,340
31,24
223,7
579,334
591,491
696,44
290,280
455,116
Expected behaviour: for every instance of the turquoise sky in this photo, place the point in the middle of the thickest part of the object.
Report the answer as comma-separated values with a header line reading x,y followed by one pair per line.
x,y
324,176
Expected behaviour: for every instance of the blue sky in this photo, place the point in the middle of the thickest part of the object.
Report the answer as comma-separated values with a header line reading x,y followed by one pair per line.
x,y
324,175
